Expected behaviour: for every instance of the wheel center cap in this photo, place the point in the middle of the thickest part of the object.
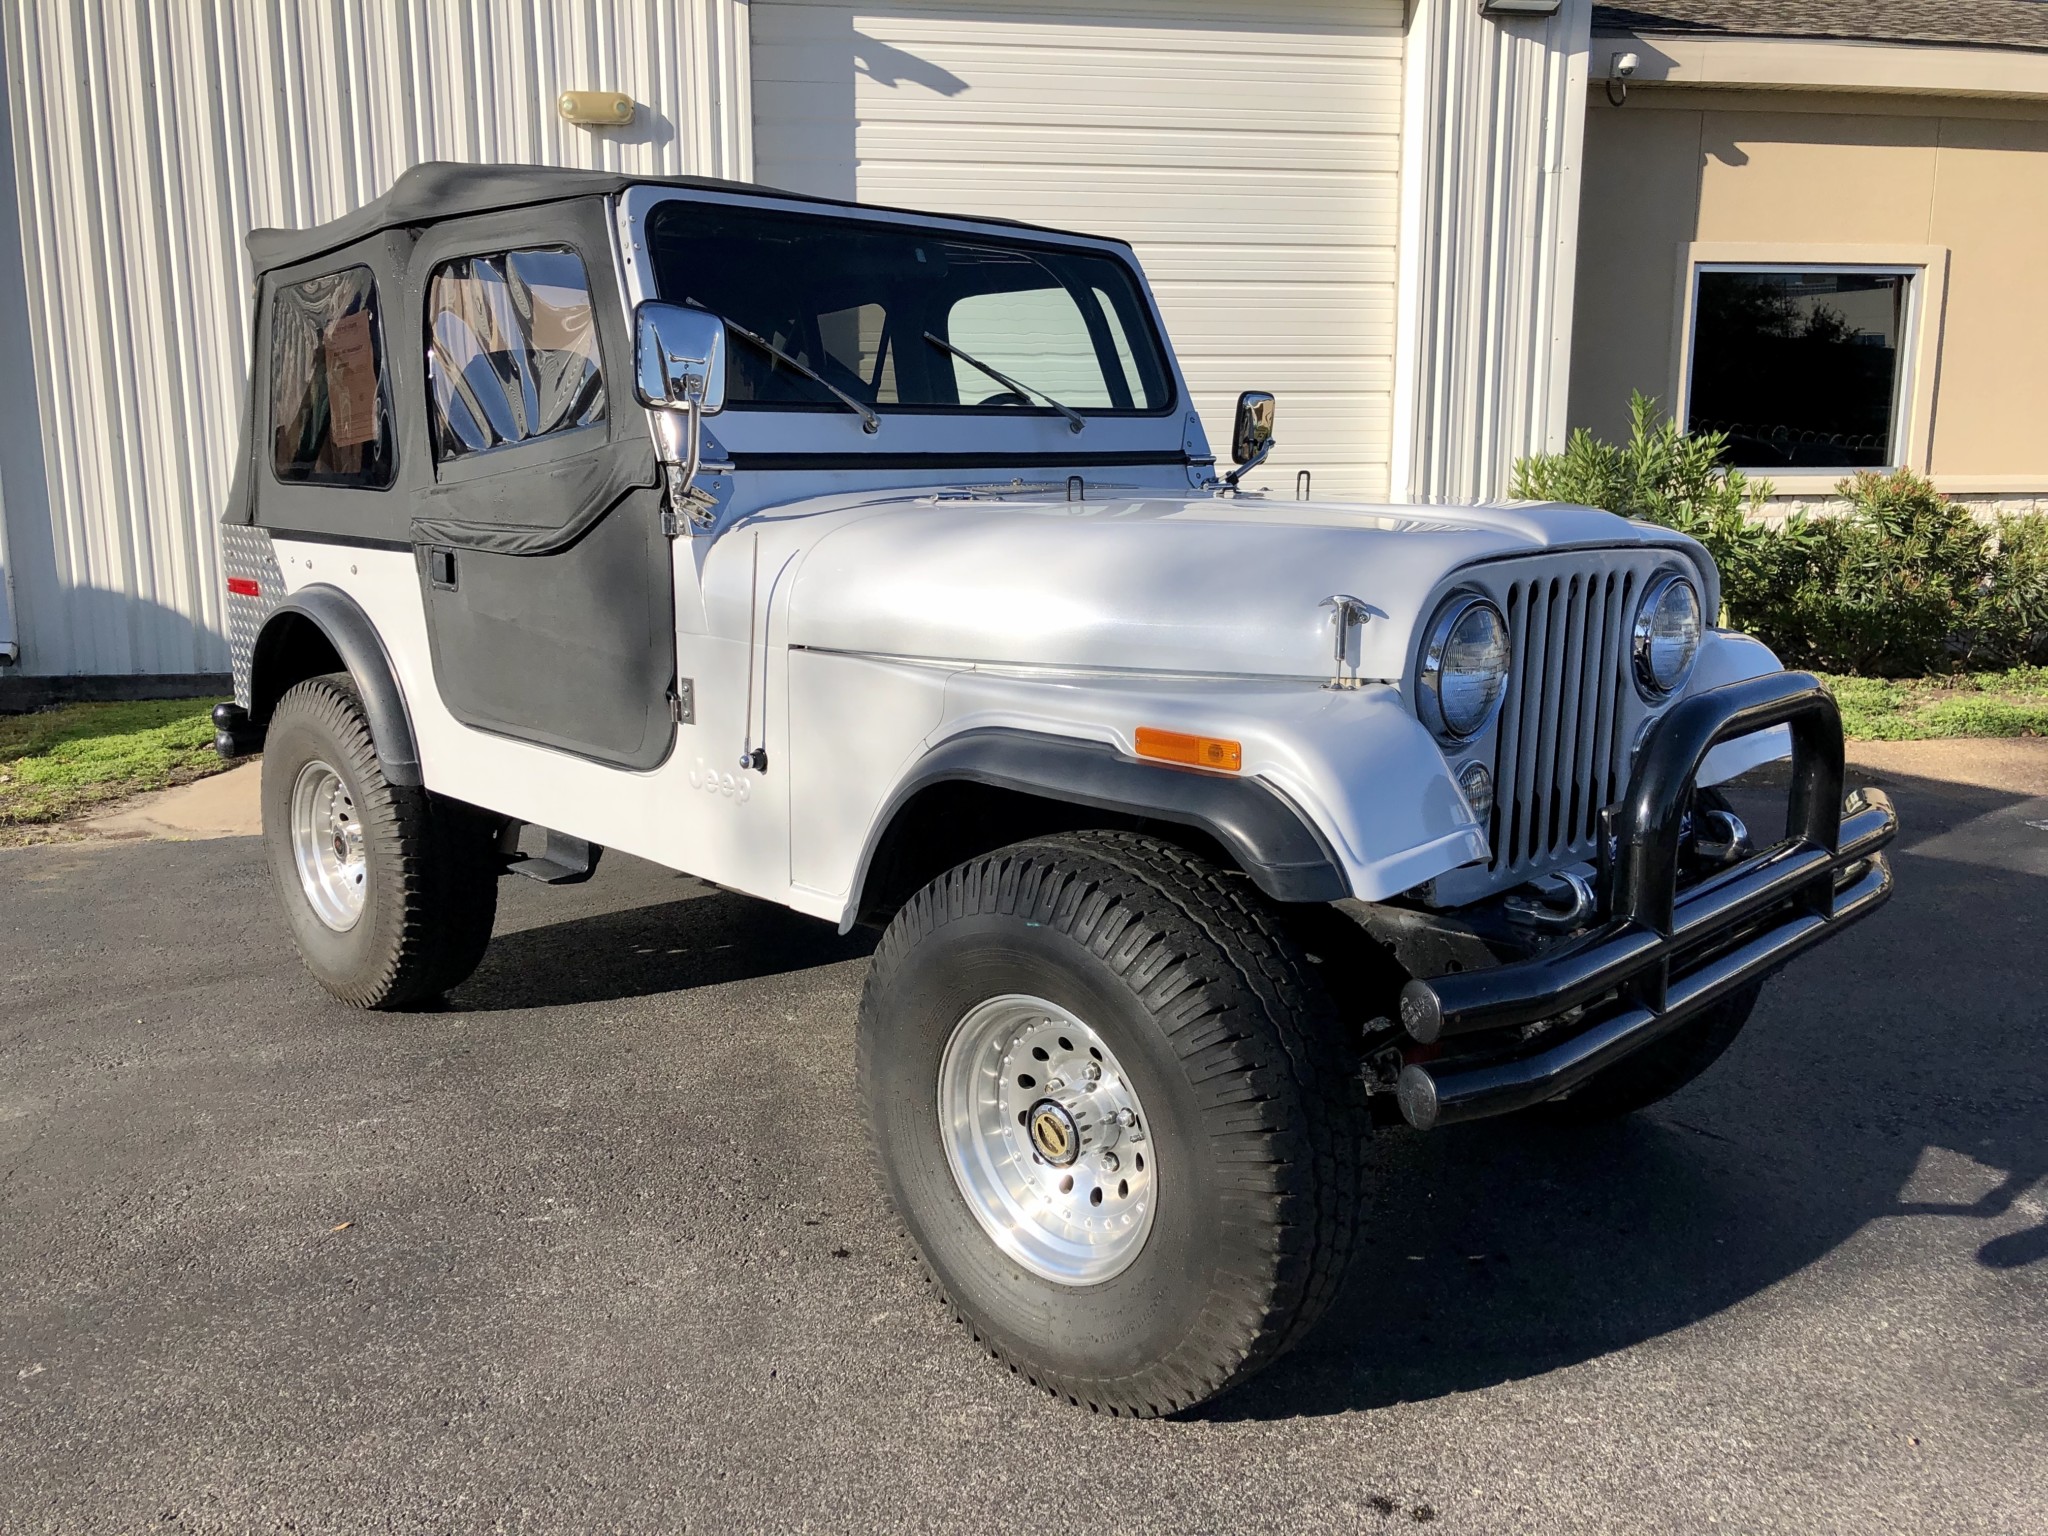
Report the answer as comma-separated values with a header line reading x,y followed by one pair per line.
x,y
1054,1135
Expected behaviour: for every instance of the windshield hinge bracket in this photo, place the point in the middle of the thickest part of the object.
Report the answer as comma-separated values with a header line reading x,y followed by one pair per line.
x,y
682,701
684,505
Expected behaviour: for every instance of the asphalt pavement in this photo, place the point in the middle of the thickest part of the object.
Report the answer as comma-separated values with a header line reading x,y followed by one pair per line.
x,y
596,1247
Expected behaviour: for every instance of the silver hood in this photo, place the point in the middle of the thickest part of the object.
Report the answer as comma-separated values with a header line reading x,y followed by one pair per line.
x,y
1178,585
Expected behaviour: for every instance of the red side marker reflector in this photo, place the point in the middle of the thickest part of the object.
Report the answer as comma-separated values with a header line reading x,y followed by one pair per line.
x,y
1194,751
244,586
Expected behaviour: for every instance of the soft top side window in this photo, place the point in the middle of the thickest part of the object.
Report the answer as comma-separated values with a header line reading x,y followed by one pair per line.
x,y
512,350
330,409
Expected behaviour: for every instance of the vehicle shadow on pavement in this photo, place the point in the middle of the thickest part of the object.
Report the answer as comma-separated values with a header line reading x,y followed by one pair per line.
x,y
1894,1074
672,946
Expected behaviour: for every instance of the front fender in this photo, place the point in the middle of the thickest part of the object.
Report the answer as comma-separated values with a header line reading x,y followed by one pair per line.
x,y
1353,762
1728,657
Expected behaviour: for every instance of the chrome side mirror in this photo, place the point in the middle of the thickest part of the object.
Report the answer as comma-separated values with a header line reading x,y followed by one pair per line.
x,y
1251,438
679,357
679,364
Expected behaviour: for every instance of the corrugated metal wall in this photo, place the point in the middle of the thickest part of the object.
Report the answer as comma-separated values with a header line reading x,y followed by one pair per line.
x,y
1493,126
149,135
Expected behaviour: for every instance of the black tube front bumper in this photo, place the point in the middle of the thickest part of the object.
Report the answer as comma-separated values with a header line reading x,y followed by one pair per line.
x,y
1662,955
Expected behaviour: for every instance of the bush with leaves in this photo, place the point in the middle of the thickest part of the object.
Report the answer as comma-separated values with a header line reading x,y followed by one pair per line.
x,y
1905,583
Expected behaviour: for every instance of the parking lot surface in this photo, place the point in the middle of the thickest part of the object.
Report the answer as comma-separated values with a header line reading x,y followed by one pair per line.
x,y
597,1248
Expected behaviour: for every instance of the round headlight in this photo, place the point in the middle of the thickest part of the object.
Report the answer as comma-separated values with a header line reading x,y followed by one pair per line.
x,y
1464,667
1667,634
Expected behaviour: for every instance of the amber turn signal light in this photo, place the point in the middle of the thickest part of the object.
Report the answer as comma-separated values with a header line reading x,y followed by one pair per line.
x,y
1193,751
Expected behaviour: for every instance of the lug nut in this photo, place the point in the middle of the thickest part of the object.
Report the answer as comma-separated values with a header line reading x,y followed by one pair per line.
x,y
1053,1085
1092,1072
1109,1162
1127,1118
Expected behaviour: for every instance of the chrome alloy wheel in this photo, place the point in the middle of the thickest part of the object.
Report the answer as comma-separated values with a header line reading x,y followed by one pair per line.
x,y
327,846
1047,1140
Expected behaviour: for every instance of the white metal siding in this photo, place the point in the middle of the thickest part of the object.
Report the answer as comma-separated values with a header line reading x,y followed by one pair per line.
x,y
1250,153
1490,195
149,135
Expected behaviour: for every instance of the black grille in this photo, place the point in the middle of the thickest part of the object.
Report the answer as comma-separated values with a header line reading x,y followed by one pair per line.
x,y
1563,753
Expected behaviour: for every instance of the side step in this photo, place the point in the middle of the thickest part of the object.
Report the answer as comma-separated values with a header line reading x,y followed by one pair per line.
x,y
564,861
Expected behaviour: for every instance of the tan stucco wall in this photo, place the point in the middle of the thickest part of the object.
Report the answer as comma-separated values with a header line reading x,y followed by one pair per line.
x,y
1676,166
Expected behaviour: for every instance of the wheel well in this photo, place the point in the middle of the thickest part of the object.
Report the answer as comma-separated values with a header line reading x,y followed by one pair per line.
x,y
291,649
949,822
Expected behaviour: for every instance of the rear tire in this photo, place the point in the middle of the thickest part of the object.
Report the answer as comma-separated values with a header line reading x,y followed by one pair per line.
x,y
1217,1041
389,891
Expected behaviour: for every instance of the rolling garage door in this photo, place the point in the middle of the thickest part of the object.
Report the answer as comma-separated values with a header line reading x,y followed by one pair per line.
x,y
1250,153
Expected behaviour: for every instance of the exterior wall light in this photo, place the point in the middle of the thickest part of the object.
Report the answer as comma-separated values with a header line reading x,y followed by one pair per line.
x,y
595,109
1519,7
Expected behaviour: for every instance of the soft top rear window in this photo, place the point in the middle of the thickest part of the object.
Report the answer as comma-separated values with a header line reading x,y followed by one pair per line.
x,y
855,301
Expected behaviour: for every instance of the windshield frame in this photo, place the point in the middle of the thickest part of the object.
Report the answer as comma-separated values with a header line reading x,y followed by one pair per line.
x,y
1158,427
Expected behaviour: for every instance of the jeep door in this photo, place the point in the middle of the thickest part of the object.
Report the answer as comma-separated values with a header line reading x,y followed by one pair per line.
x,y
536,518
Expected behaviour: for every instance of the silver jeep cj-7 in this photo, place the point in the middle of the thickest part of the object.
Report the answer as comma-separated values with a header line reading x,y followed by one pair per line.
x,y
876,564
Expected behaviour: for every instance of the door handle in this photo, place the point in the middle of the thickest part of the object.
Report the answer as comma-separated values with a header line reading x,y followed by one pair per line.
x,y
441,569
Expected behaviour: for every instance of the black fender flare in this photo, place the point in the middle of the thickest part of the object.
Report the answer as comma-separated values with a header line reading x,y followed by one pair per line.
x,y
356,641
1266,833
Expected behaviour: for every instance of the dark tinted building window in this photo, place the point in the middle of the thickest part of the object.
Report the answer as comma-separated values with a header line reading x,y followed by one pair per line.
x,y
511,350
329,404
1800,368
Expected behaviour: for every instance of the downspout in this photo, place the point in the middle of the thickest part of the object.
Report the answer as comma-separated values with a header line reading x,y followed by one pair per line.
x,y
1562,284
1414,248
10,643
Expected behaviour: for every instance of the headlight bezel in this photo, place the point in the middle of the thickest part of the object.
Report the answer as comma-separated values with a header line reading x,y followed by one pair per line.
x,y
1652,688
1429,671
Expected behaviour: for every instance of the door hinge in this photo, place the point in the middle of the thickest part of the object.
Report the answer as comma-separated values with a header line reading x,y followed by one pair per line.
x,y
682,701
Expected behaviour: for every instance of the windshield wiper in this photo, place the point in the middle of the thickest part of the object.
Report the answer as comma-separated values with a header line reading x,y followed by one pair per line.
x,y
869,421
1074,421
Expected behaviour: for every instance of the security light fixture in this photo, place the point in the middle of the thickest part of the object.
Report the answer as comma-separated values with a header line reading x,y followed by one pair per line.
x,y
595,109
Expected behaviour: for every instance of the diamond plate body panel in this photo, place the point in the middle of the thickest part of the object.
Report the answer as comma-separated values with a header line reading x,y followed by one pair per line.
x,y
246,554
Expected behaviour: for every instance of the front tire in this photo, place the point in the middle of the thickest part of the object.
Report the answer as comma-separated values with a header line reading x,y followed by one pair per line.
x,y
1097,993
390,892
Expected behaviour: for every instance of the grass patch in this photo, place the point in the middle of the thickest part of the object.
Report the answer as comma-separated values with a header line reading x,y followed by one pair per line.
x,y
2011,703
61,763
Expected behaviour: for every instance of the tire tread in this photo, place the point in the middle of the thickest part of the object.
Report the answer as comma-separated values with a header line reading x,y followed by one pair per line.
x,y
1259,1039
443,886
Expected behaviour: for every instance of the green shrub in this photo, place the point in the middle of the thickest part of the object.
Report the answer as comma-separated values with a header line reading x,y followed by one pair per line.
x,y
1904,584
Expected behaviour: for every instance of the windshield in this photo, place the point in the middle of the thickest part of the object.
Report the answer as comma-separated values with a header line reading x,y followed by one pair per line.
x,y
854,301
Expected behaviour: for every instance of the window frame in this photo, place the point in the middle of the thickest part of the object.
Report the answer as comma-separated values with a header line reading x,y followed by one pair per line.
x,y
496,452
1926,271
494,235
387,393
1023,238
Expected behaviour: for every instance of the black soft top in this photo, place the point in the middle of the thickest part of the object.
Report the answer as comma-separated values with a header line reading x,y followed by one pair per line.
x,y
448,189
